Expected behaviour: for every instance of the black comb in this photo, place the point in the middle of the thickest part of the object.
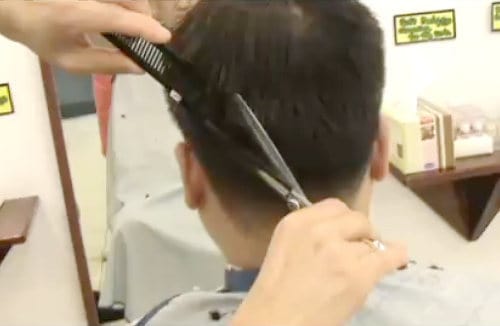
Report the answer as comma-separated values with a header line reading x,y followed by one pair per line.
x,y
162,63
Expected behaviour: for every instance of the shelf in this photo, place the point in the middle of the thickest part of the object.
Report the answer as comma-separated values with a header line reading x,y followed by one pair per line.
x,y
467,197
465,169
15,220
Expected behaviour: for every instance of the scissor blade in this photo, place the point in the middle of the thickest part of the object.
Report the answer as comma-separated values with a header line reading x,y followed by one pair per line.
x,y
274,183
267,144
282,190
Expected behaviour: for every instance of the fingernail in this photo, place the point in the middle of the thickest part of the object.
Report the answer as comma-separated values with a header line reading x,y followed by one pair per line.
x,y
137,70
164,35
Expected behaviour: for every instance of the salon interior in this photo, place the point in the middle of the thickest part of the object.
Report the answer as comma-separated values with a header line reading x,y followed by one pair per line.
x,y
85,237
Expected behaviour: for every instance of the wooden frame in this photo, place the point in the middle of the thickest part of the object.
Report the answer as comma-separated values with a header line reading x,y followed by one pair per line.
x,y
494,5
69,196
425,13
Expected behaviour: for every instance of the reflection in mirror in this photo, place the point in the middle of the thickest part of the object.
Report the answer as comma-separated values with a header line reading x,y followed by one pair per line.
x,y
159,248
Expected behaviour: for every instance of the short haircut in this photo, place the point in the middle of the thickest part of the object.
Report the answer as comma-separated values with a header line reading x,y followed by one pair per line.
x,y
312,72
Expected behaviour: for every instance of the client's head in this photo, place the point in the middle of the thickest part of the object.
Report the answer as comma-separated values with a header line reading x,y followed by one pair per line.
x,y
313,73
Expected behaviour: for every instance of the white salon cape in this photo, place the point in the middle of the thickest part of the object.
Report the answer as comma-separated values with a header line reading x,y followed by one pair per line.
x,y
414,297
158,247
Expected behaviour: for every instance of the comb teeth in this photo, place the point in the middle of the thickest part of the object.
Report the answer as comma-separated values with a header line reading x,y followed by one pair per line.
x,y
146,51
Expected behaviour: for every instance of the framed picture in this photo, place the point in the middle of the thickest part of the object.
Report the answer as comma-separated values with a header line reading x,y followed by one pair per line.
x,y
495,17
6,104
425,27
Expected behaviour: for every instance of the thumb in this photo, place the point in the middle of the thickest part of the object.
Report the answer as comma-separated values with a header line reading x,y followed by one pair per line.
x,y
142,6
382,263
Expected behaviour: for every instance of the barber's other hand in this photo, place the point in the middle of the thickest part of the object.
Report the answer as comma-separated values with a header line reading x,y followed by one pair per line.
x,y
317,270
58,31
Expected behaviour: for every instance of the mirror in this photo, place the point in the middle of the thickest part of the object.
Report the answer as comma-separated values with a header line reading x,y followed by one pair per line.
x,y
156,240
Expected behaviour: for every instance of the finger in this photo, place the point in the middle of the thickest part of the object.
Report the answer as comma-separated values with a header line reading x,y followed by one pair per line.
x,y
385,262
350,226
141,6
358,249
321,211
98,60
354,226
398,246
98,17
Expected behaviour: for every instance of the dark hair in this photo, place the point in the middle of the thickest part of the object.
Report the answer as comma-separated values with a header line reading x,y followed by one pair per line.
x,y
313,73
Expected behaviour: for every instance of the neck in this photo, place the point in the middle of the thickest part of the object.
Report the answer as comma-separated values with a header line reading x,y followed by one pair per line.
x,y
246,247
246,250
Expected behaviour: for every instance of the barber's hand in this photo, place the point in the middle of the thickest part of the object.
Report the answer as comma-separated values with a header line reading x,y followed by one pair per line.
x,y
58,31
317,270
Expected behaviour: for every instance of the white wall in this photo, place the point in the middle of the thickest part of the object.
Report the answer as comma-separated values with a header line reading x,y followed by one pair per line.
x,y
38,280
460,70
456,71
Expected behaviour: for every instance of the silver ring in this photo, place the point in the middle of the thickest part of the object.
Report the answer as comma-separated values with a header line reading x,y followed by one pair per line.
x,y
378,245
375,245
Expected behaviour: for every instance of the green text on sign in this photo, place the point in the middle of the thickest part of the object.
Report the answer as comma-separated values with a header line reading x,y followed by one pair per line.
x,y
425,27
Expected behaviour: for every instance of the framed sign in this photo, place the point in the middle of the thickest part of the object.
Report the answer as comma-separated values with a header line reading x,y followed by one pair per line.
x,y
495,17
6,104
425,27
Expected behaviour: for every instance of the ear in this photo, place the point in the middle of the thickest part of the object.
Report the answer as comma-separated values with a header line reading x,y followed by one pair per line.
x,y
193,176
380,158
